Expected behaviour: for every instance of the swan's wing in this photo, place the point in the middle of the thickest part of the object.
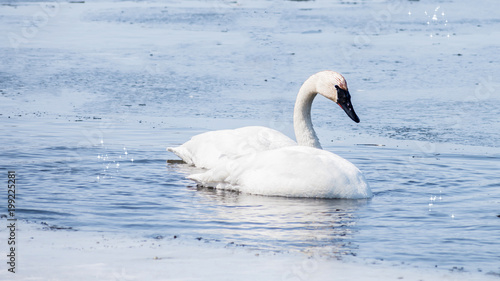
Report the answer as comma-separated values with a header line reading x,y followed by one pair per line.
x,y
291,171
208,149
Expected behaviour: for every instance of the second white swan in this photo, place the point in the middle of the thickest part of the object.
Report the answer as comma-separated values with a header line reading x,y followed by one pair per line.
x,y
260,160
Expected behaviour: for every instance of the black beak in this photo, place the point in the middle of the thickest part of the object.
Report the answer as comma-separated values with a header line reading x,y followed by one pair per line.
x,y
344,100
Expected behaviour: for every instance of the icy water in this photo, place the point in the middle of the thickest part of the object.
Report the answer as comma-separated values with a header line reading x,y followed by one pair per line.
x,y
93,93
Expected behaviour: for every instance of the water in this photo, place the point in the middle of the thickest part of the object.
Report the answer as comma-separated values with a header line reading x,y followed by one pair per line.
x,y
90,102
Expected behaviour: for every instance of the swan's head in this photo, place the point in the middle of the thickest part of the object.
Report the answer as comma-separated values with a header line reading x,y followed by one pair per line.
x,y
333,86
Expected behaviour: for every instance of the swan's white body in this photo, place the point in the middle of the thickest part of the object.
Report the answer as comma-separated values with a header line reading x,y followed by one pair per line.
x,y
260,160
294,171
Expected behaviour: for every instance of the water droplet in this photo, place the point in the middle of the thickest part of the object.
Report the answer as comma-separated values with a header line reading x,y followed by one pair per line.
x,y
132,160
409,13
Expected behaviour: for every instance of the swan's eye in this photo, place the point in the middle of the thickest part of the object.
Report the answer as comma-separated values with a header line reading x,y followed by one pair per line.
x,y
342,95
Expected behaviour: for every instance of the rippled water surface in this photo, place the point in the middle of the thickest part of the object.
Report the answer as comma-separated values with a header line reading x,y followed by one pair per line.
x,y
88,108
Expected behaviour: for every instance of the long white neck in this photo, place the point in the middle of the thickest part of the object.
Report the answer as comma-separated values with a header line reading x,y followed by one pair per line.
x,y
304,131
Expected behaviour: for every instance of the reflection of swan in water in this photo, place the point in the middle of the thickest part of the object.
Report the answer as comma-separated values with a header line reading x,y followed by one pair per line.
x,y
263,161
313,226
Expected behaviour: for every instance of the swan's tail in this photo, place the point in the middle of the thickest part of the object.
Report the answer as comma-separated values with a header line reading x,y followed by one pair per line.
x,y
211,180
182,153
202,178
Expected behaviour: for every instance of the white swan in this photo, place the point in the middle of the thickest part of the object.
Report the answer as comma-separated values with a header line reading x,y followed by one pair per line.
x,y
263,161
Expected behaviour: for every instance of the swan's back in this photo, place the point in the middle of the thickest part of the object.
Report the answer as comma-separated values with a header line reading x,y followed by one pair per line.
x,y
208,149
294,171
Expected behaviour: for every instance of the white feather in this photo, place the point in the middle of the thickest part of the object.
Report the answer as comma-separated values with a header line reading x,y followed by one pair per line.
x,y
260,160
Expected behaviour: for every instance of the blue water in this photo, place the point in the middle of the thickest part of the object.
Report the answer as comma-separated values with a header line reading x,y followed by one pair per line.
x,y
86,132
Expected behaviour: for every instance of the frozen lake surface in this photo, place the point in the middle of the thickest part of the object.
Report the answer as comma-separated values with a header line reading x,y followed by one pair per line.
x,y
92,93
